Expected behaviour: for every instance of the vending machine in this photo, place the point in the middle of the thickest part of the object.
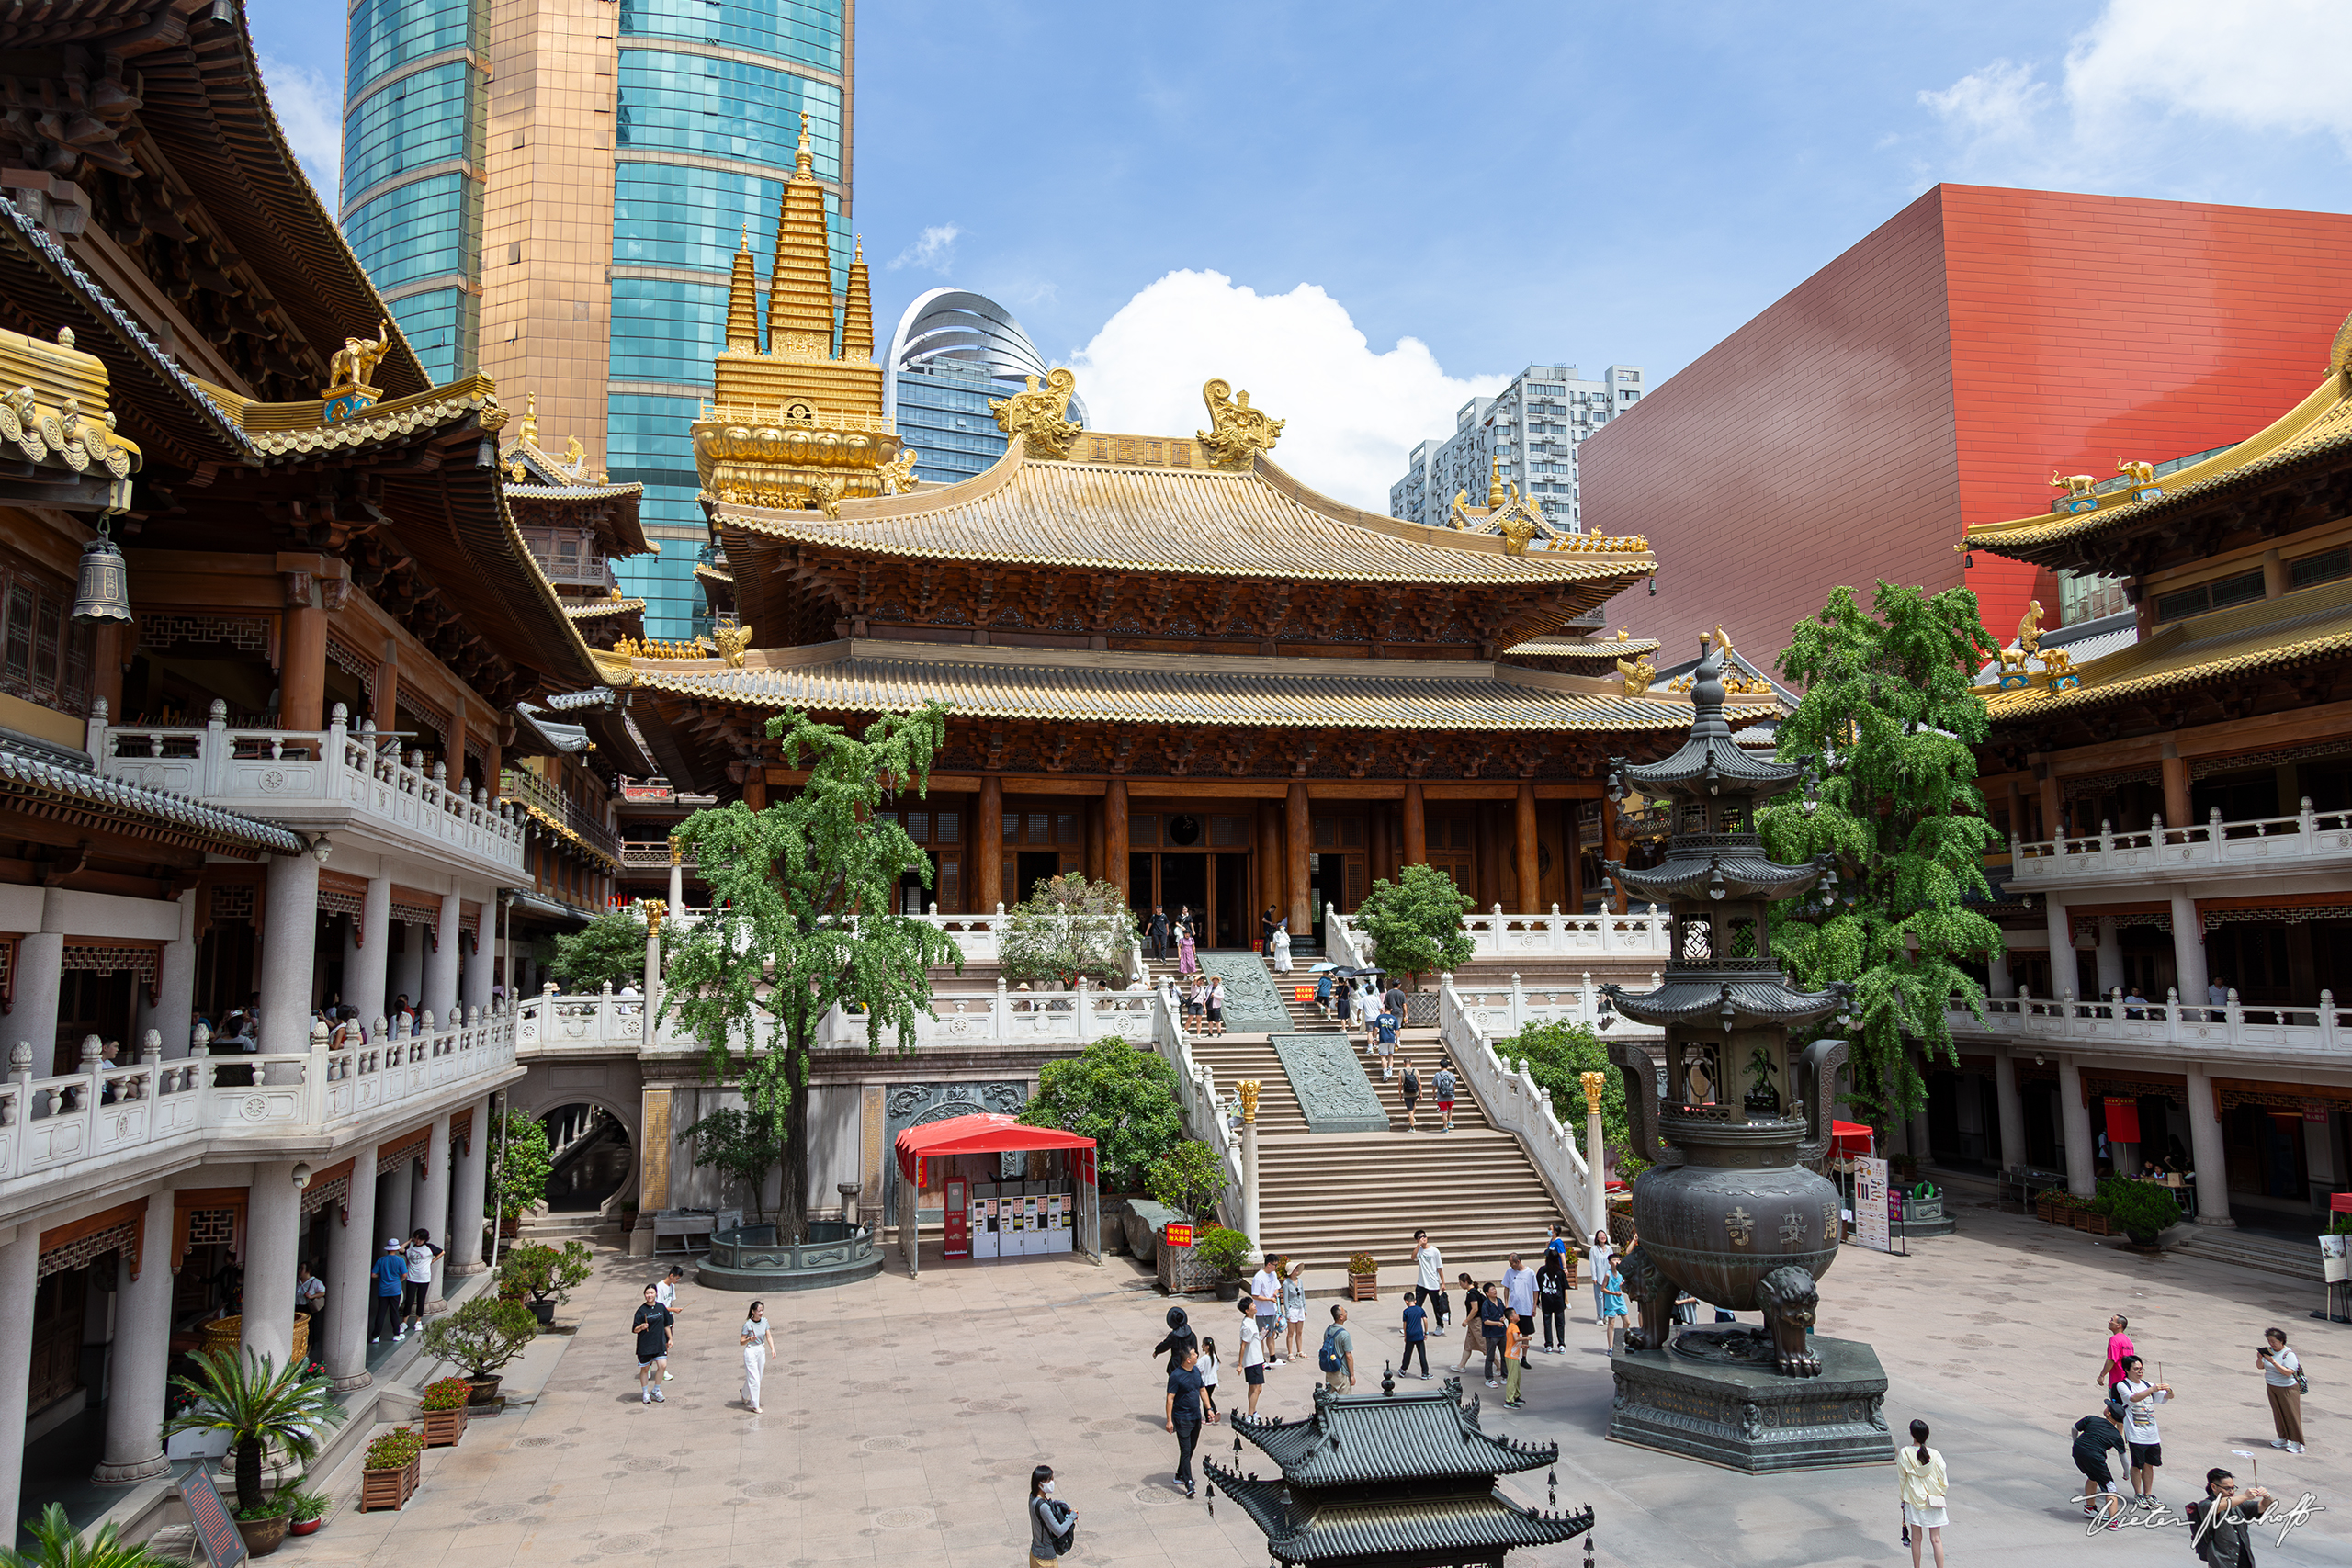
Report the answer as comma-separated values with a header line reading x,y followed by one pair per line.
x,y
955,1239
985,1239
1058,1218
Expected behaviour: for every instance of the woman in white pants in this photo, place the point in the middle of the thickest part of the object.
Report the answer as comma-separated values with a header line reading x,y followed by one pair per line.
x,y
758,1344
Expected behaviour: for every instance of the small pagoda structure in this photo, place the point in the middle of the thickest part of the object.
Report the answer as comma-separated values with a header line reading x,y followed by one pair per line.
x,y
1392,1481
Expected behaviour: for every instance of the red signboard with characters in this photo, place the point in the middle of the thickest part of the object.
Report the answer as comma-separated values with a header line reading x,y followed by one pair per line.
x,y
1176,1234
223,1545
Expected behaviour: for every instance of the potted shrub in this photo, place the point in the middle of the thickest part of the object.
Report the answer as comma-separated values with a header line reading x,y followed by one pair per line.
x,y
481,1337
306,1509
522,1166
2141,1209
443,1409
546,1275
1363,1277
57,1544
388,1474
1227,1252
258,1405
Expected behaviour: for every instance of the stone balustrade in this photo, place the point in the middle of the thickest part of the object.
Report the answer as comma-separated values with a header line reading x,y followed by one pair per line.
x,y
1632,937
2264,846
1511,1097
2323,1030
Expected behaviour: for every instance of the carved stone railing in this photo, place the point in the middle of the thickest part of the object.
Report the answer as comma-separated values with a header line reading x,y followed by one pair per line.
x,y
2264,846
1205,1117
1635,938
2324,1031
1514,1101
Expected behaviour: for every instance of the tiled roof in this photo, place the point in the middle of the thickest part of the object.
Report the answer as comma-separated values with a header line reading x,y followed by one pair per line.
x,y
2269,635
873,677
1348,1441
1369,1532
1607,649
571,493
25,773
385,422
1259,523
589,609
2082,650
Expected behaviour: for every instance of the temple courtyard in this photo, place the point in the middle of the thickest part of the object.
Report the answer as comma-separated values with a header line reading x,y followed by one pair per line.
x,y
903,1416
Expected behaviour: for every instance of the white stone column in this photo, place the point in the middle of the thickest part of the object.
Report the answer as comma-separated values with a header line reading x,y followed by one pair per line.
x,y
40,975
2081,1148
480,958
1596,1153
441,965
2065,975
2110,956
365,971
142,1354
273,1226
2205,1146
289,940
20,1274
678,881
433,1202
470,1180
2011,1106
1997,971
392,1205
175,983
2190,977
353,1246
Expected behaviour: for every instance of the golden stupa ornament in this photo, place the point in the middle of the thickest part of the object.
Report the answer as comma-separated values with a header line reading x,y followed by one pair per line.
x,y
1237,431
1040,415
349,392
531,420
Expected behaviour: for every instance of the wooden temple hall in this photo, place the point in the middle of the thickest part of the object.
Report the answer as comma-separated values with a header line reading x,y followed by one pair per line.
x,y
1171,664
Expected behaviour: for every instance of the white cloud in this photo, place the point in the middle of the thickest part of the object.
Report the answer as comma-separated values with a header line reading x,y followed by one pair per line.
x,y
1353,414
310,110
934,252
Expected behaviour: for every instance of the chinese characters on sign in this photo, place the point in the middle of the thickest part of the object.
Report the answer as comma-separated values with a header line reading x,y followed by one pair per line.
x,y
1870,1228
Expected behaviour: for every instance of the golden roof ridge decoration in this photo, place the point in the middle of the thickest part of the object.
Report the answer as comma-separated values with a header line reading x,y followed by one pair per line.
x,y
58,410
1237,431
592,609
402,416
349,391
1039,417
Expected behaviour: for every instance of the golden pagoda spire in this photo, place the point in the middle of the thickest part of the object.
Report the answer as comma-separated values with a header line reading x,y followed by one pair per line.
x,y
857,314
531,420
743,299
800,290
1494,486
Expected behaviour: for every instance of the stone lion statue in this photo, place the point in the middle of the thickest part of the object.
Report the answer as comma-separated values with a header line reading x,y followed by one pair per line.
x,y
1790,1301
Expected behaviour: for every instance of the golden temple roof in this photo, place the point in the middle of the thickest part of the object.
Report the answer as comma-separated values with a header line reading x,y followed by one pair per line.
x,y
1584,647
594,609
1258,522
2319,425
866,676
2267,635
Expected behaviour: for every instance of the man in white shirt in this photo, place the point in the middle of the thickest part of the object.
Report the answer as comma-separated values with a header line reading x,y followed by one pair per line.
x,y
2140,1399
1430,1275
1519,1294
1266,1304
1253,1353
418,1285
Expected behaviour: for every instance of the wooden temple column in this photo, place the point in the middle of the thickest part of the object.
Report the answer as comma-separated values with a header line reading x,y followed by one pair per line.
x,y
1114,835
302,659
106,644
1612,847
1488,877
1417,828
1296,836
2054,819
1524,851
989,834
1268,860
2179,813
1376,839
1572,846
1095,814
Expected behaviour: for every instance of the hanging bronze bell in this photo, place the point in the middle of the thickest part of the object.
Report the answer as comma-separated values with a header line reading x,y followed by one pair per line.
x,y
103,597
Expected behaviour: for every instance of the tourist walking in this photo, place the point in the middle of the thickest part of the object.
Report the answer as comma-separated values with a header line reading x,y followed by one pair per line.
x,y
1338,1357
1492,1315
1253,1353
2140,1399
310,1294
652,1326
1266,1301
1293,1309
1053,1524
1428,1273
390,1274
1473,1334
2218,1524
1519,1293
1922,1471
1180,1340
1217,1004
1409,1088
1416,1328
1182,1413
1207,1367
1601,1253
2118,1344
1385,1031
1443,1085
1514,1361
2283,1380
1552,1299
418,1284
759,1343
2095,1436
1323,994
1393,1000
1157,931
1187,949
1612,1307
1281,945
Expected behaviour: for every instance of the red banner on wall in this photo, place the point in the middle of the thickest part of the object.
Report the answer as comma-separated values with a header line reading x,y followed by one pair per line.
x,y
2122,1120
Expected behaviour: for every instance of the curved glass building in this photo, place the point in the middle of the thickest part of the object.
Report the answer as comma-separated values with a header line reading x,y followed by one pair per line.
x,y
953,352
551,192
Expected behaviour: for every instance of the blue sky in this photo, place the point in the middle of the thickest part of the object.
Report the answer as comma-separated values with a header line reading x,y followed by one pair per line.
x,y
1366,213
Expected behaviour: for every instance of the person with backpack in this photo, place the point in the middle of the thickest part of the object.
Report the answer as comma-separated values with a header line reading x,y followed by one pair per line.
x,y
1444,1083
2140,1399
1180,1338
1409,1090
2218,1522
2094,1436
1053,1524
1552,1284
1417,1322
1337,1356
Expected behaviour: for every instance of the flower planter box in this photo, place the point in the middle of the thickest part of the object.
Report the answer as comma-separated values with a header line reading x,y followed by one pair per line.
x,y
1364,1287
2094,1222
443,1428
389,1488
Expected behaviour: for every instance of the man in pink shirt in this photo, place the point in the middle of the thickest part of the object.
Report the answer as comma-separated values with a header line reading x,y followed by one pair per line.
x,y
2119,1348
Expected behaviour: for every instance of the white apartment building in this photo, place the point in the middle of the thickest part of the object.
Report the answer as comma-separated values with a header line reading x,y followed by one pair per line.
x,y
1526,435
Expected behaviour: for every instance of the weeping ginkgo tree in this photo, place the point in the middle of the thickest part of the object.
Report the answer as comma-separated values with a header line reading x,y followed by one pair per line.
x,y
804,917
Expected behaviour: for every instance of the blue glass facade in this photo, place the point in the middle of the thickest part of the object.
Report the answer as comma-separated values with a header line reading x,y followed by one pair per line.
x,y
943,415
805,34
387,34
649,445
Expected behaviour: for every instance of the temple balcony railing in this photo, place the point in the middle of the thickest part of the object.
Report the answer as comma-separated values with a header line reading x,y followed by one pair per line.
x,y
556,812
1635,938
317,781
52,1129
2321,1033
2211,850
654,856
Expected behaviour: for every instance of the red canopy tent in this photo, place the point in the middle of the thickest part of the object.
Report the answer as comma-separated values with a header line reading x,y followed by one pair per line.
x,y
1850,1138
985,1133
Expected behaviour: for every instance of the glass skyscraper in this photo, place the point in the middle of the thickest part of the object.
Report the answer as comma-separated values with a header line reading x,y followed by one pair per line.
x,y
551,192
953,351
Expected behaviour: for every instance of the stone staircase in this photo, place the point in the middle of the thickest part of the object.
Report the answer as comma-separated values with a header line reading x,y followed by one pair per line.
x,y
2249,1249
587,1225
1323,1196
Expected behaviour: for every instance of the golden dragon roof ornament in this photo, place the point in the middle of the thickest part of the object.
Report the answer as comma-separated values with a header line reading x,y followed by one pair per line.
x,y
1237,431
1039,416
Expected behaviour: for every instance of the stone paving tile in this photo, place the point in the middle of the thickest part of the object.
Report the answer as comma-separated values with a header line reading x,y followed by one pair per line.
x,y
904,1415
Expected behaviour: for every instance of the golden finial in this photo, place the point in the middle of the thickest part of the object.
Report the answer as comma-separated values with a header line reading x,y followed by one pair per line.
x,y
654,909
1593,1083
804,162
1494,486
531,420
1250,1090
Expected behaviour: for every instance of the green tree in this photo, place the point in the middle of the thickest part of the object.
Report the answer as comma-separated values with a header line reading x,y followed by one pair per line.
x,y
1556,1056
1068,927
524,1165
1887,708
483,1335
738,1144
1189,1179
1126,1099
804,917
607,950
260,1405
1414,922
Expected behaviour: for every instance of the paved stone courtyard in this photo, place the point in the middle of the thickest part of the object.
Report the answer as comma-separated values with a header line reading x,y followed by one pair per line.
x,y
903,1418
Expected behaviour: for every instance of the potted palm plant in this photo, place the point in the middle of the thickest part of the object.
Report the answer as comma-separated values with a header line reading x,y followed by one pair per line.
x,y
443,1406
57,1544
258,1405
481,1337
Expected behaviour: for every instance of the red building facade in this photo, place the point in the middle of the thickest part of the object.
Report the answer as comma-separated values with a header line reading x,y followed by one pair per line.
x,y
1939,372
